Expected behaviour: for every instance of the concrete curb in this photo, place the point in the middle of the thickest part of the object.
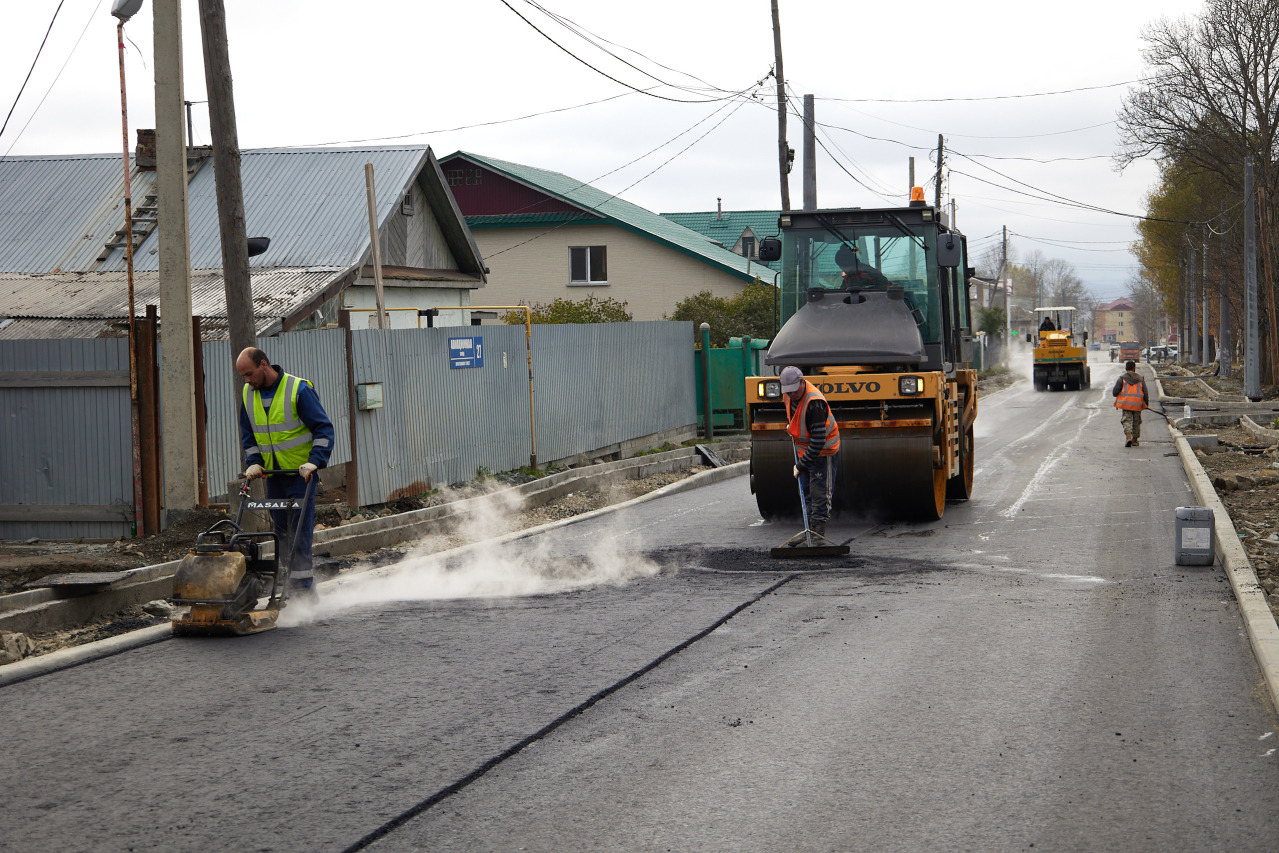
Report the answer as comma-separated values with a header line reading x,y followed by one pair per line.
x,y
1263,632
64,658
54,661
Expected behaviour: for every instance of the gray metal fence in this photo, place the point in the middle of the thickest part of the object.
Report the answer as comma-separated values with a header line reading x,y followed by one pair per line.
x,y
65,437
319,356
66,464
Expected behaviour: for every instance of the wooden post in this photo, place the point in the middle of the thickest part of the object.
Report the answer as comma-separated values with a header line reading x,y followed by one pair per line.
x,y
352,467
376,246
148,382
226,173
201,414
783,150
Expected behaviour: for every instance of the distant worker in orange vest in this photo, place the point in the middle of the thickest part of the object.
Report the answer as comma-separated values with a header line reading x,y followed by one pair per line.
x,y
1131,397
813,429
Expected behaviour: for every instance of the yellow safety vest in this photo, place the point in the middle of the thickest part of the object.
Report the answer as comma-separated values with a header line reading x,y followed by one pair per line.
x,y
282,439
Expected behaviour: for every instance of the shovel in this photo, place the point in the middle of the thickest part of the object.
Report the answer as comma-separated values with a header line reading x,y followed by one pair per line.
x,y
806,544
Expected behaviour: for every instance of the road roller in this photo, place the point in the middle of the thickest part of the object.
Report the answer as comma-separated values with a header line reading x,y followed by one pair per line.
x,y
230,582
1061,353
873,307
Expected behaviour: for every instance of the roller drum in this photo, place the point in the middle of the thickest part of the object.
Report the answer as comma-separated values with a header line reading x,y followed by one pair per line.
x,y
884,475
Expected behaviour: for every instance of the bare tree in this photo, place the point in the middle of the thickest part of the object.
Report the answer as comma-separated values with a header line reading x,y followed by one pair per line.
x,y
1211,91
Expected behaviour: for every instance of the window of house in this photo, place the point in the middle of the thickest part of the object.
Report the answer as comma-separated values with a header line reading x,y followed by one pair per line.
x,y
588,265
748,247
474,177
456,177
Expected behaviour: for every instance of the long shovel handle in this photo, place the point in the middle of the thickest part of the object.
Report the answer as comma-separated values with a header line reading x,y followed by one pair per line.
x,y
803,498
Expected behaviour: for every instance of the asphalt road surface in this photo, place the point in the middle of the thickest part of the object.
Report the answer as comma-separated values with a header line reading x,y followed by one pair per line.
x,y
1033,671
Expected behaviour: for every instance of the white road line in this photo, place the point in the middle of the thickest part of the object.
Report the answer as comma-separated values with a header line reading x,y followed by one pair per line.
x,y
1048,465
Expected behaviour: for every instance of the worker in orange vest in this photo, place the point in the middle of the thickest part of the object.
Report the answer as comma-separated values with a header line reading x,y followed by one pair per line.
x,y
1131,397
815,433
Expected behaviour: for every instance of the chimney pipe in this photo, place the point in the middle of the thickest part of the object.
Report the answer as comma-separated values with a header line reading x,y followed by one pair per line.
x,y
719,208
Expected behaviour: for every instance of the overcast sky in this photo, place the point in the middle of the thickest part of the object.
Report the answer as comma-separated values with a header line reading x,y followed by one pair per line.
x,y
384,72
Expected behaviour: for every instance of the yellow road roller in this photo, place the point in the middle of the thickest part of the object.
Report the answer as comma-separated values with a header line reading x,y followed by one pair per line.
x,y
1061,354
874,309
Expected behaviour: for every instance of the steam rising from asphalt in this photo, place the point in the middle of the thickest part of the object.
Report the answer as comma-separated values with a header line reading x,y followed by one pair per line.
x,y
492,566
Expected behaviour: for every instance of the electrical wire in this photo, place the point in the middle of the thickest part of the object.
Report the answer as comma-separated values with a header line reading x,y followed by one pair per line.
x,y
27,79
644,177
56,78
594,39
602,73
980,98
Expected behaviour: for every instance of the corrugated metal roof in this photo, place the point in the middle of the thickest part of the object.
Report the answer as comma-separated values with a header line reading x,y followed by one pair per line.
x,y
57,213
727,227
104,295
623,213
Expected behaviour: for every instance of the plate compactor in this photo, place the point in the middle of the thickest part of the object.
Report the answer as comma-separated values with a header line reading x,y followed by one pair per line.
x,y
226,577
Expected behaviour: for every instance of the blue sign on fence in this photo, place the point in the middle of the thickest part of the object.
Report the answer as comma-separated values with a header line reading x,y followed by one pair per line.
x,y
466,352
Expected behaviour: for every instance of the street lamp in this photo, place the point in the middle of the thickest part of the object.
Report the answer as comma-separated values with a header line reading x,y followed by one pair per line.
x,y
123,10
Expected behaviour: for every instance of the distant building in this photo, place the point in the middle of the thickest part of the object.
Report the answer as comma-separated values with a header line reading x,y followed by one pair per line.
x,y
547,236
1115,321
739,231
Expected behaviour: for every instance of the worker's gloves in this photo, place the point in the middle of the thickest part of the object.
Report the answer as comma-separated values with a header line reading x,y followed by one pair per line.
x,y
306,469
795,471
254,471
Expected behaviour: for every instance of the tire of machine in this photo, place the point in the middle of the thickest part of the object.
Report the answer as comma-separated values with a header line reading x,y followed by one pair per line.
x,y
776,493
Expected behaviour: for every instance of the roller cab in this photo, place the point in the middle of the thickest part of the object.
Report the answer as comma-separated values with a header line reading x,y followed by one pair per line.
x,y
1061,353
874,309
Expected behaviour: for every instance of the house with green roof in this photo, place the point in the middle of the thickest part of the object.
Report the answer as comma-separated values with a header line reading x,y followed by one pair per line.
x,y
545,236
739,231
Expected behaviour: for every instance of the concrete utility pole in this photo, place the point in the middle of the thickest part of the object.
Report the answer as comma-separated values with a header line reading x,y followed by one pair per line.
x,y
1008,285
783,150
226,166
1225,342
1252,348
1203,292
810,154
911,187
181,489
1193,304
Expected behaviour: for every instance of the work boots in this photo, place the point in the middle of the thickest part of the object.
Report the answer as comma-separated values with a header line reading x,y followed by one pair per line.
x,y
1128,435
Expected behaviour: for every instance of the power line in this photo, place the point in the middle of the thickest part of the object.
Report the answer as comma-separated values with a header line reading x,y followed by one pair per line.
x,y
56,78
602,73
32,68
980,97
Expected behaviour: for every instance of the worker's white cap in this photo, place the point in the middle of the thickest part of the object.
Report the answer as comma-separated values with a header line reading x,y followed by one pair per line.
x,y
791,379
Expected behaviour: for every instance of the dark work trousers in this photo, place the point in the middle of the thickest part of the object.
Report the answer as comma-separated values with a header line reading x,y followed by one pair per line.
x,y
292,486
818,483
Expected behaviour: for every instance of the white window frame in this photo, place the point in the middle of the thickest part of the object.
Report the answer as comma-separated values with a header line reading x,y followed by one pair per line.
x,y
587,282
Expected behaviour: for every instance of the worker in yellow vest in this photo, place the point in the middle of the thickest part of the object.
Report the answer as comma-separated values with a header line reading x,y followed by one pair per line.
x,y
815,433
283,426
1131,397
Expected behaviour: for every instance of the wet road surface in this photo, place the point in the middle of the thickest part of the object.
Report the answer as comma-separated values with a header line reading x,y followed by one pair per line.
x,y
1032,670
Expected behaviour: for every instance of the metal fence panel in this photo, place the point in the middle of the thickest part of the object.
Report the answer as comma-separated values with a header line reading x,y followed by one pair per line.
x,y
319,356
438,424
66,446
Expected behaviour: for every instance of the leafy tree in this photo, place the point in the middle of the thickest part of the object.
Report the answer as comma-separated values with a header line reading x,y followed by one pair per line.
x,y
991,321
750,312
588,310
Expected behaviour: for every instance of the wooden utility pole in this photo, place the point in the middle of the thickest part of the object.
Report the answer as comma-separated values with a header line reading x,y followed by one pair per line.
x,y
226,172
941,159
783,150
181,488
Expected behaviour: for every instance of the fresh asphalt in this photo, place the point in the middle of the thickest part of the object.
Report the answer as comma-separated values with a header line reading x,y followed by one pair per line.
x,y
1032,670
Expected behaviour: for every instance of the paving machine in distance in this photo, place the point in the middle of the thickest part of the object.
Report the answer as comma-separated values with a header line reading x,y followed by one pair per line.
x,y
1061,353
230,585
874,309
